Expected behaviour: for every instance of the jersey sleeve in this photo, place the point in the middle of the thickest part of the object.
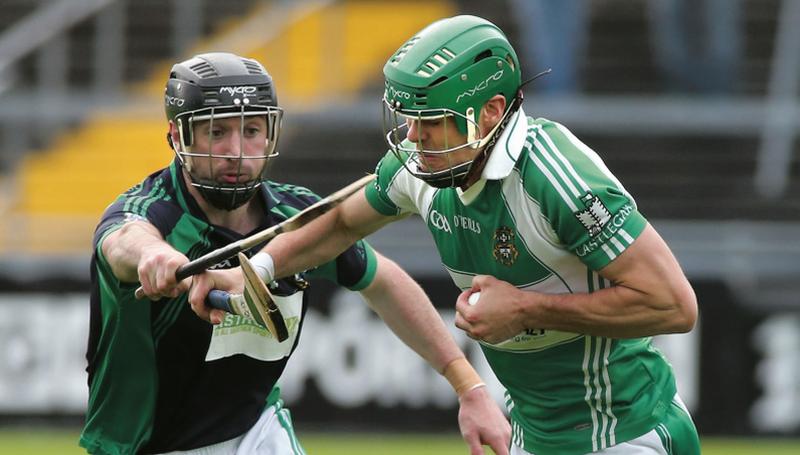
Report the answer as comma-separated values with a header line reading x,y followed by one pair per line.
x,y
390,194
146,201
589,210
354,268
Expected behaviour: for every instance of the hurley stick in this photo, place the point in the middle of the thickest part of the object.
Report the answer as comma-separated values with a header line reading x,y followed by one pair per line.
x,y
256,303
299,220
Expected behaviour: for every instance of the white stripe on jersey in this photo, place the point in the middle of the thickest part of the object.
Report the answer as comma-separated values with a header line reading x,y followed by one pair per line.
x,y
618,244
608,251
546,154
592,155
625,236
587,353
598,397
611,434
550,177
564,160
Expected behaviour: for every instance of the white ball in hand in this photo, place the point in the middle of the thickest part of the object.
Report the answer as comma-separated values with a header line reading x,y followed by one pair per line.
x,y
473,298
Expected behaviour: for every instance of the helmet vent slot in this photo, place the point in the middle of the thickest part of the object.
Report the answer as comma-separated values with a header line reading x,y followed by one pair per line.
x,y
485,54
203,69
210,97
252,67
403,50
448,54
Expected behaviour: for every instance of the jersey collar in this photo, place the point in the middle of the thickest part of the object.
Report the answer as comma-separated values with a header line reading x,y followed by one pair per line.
x,y
507,148
503,157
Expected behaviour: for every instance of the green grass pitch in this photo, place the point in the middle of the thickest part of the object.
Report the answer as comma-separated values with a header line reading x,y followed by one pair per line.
x,y
64,442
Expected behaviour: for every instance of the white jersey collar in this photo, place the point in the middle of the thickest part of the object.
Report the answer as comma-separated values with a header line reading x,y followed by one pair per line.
x,y
503,157
507,148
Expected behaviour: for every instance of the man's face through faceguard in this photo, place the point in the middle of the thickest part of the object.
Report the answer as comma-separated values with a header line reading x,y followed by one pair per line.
x,y
224,125
437,151
228,153
437,83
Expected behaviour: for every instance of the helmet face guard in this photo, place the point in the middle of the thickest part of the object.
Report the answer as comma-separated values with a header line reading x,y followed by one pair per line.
x,y
396,123
227,195
210,88
449,70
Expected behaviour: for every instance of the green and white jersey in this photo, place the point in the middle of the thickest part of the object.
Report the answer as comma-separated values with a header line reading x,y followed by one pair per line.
x,y
545,216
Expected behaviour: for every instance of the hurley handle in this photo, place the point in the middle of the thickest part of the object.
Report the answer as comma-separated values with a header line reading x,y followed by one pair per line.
x,y
220,300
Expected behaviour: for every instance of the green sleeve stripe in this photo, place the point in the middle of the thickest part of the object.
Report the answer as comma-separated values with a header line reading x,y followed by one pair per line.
x,y
369,273
161,195
140,204
110,230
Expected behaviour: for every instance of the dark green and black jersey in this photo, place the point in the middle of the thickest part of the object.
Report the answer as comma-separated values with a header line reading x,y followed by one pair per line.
x,y
162,379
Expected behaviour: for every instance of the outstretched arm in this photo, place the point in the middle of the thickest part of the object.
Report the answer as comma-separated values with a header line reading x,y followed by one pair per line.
x,y
649,296
326,237
405,308
137,252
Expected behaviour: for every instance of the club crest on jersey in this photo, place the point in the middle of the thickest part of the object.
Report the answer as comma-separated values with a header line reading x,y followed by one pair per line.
x,y
505,252
595,216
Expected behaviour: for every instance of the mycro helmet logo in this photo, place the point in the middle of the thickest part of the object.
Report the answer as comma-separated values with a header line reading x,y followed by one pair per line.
x,y
240,90
481,86
395,94
174,101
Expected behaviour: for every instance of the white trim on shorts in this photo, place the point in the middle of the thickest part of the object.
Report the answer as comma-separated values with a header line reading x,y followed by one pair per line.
x,y
646,444
272,434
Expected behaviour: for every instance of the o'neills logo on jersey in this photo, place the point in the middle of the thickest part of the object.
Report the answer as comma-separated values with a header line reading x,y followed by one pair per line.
x,y
480,86
595,216
467,223
505,252
240,90
439,221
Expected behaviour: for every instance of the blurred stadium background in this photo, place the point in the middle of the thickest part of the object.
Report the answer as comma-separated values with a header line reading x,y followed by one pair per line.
x,y
693,104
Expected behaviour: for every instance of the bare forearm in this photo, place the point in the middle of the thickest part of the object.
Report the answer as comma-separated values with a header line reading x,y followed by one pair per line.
x,y
317,243
326,237
618,312
124,248
405,308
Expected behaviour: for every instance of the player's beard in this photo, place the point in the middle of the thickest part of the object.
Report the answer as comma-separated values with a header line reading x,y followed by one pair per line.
x,y
227,196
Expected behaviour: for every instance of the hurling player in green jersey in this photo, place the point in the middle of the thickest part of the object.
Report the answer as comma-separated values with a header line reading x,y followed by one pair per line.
x,y
163,380
564,281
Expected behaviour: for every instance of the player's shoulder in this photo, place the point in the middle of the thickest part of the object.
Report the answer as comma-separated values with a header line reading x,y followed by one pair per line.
x,y
290,195
156,189
552,158
391,163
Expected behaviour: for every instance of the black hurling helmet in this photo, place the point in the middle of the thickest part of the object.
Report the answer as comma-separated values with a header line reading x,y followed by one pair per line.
x,y
213,86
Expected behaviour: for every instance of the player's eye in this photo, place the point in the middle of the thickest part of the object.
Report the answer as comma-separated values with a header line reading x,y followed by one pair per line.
x,y
251,131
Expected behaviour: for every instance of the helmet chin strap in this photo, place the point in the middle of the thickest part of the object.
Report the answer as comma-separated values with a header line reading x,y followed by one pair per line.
x,y
485,145
472,138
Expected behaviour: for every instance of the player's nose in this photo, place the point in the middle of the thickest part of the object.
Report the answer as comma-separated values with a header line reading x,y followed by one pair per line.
x,y
414,132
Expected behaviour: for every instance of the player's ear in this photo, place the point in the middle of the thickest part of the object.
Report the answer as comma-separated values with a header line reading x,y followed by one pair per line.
x,y
173,137
492,111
